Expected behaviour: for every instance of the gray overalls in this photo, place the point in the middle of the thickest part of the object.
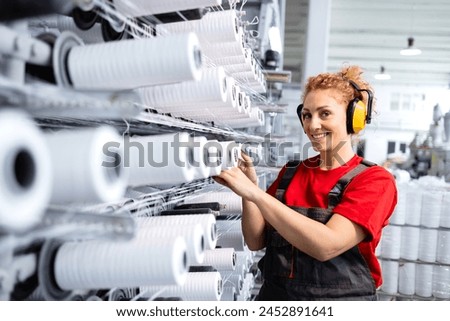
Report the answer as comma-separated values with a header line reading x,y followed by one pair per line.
x,y
290,274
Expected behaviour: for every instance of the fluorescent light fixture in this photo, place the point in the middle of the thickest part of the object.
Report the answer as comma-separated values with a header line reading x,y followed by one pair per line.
x,y
410,50
382,75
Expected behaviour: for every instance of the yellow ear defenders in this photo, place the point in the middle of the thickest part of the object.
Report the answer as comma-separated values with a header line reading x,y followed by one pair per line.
x,y
358,114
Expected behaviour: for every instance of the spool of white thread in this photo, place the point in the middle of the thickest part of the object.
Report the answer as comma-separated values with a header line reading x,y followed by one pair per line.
x,y
231,203
428,245
441,281
214,159
443,247
413,205
215,27
220,259
399,215
87,165
233,239
445,211
390,276
409,249
229,293
199,286
192,233
160,159
424,277
202,170
391,242
173,97
135,63
431,208
407,278
207,221
108,264
140,8
25,171
217,50
234,279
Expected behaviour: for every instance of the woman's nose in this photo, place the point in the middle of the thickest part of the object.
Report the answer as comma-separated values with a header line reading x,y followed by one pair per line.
x,y
314,122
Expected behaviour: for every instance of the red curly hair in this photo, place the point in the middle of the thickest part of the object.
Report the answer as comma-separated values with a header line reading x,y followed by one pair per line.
x,y
341,82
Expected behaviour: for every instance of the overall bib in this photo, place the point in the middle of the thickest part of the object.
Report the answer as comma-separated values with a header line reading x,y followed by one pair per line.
x,y
290,274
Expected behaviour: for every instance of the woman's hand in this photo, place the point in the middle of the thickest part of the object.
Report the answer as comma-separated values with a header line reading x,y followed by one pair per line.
x,y
246,166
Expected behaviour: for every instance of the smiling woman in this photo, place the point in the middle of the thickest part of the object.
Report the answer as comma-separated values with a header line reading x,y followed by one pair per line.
x,y
321,219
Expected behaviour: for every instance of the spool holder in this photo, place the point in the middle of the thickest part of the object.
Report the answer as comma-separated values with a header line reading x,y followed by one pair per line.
x,y
63,44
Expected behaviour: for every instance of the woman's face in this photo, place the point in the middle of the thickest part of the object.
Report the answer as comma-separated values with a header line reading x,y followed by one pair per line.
x,y
324,120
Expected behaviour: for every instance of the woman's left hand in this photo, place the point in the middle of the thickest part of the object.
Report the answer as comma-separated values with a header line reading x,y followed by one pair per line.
x,y
235,179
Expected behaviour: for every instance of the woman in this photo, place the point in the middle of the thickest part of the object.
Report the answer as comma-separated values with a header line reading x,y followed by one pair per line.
x,y
320,240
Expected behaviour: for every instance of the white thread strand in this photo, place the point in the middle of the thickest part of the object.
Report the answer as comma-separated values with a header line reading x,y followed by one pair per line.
x,y
93,176
231,203
199,286
135,63
105,265
25,171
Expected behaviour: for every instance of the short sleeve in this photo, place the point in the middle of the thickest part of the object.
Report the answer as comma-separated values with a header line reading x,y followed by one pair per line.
x,y
369,200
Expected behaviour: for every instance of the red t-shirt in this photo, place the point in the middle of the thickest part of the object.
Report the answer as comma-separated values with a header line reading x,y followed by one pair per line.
x,y
368,200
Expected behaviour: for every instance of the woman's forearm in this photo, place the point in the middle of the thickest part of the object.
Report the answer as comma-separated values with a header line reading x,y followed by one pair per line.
x,y
253,226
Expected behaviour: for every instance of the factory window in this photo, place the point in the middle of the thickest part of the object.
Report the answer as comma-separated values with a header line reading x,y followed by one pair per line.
x,y
391,148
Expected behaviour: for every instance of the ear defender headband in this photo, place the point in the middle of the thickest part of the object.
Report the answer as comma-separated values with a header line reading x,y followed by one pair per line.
x,y
358,114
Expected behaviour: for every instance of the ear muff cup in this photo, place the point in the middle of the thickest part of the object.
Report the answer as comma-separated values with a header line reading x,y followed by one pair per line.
x,y
356,116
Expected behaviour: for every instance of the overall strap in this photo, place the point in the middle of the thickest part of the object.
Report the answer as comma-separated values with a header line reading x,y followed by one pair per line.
x,y
335,195
291,168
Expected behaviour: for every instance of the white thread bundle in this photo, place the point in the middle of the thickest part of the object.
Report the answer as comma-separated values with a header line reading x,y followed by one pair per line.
x,y
234,279
391,242
192,233
399,215
207,222
173,97
231,153
407,278
231,203
160,159
214,159
87,165
214,27
201,155
409,248
229,293
390,276
135,63
445,211
199,286
25,171
256,118
105,265
428,245
413,205
140,8
443,247
431,208
441,281
220,259
92,35
217,50
424,279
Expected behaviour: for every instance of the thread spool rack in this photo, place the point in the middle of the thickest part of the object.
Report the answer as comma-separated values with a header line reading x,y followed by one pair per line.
x,y
42,89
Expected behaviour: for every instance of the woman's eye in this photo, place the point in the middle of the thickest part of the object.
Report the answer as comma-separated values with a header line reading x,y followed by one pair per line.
x,y
325,113
306,116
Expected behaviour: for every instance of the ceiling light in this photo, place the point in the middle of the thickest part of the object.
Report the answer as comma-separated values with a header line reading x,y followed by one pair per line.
x,y
382,75
410,50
